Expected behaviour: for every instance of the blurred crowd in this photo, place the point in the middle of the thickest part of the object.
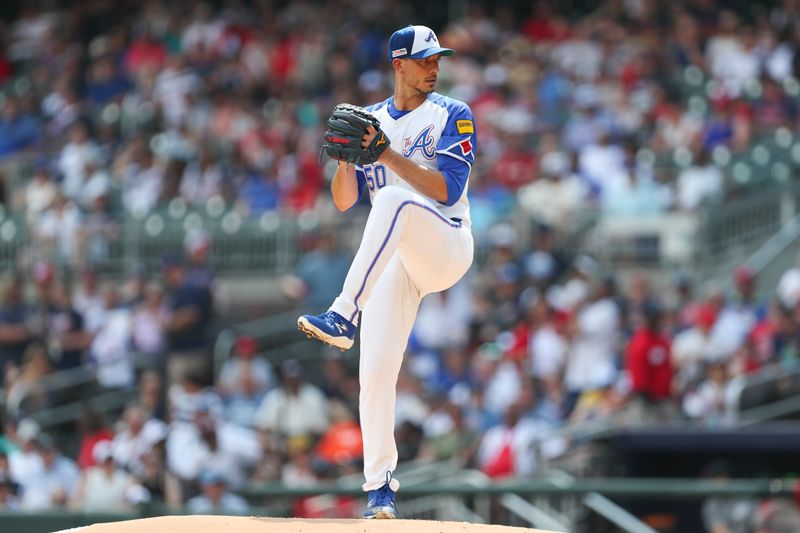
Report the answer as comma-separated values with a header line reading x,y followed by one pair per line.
x,y
497,368
111,111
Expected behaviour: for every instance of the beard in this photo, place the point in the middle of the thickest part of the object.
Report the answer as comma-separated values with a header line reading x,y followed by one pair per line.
x,y
426,89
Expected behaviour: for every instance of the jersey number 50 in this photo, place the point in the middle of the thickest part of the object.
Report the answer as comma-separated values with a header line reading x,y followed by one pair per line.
x,y
375,176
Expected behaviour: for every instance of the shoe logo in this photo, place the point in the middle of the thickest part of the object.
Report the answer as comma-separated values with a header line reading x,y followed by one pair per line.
x,y
341,328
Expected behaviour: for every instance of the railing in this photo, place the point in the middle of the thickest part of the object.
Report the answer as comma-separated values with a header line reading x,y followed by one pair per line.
x,y
650,240
267,244
89,394
705,242
616,514
609,510
532,514
276,334
50,384
455,494
633,488
106,402
732,232
516,506
772,258
576,497
771,393
787,407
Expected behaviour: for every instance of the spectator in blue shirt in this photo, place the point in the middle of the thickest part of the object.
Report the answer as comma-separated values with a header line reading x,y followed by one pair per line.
x,y
105,82
187,328
14,331
18,130
259,194
319,272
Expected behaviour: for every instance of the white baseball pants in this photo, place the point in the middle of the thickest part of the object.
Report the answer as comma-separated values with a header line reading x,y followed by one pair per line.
x,y
409,249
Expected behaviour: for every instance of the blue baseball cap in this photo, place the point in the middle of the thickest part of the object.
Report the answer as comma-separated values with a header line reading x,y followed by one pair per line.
x,y
415,42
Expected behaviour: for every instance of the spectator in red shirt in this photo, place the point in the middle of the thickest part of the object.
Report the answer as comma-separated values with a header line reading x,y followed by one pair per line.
x,y
648,359
146,51
517,165
93,430
544,24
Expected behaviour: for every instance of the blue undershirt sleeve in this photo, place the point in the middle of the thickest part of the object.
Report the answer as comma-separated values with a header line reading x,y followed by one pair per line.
x,y
455,176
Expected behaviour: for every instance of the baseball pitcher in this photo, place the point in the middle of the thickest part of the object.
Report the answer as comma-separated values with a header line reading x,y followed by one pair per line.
x,y
413,152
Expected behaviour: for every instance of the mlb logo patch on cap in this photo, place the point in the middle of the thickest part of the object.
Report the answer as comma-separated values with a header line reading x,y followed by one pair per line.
x,y
415,42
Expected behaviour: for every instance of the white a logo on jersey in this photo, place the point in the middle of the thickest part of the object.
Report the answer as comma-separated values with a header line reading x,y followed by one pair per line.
x,y
422,142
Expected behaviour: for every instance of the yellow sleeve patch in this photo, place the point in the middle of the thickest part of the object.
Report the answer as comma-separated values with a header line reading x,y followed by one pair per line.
x,y
465,126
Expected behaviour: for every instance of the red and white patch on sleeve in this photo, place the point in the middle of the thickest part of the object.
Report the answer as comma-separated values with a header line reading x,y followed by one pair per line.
x,y
466,146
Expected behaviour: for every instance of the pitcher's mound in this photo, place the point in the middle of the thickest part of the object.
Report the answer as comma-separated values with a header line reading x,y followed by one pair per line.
x,y
239,524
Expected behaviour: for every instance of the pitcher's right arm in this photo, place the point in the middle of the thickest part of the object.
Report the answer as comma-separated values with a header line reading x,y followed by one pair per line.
x,y
346,188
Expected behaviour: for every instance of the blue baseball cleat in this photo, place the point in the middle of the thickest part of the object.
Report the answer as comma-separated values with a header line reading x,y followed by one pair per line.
x,y
329,327
380,503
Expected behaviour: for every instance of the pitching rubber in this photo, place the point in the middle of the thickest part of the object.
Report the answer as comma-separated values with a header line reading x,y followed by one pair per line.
x,y
239,524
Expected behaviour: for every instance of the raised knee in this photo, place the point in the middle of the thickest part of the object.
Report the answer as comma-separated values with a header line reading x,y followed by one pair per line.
x,y
391,196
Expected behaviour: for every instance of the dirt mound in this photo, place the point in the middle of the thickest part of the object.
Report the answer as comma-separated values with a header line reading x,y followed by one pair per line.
x,y
238,524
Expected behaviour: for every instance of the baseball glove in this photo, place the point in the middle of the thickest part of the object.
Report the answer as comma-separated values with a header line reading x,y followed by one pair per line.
x,y
347,125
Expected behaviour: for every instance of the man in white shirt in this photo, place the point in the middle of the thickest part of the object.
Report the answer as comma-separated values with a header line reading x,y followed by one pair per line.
x,y
557,194
136,439
547,348
215,498
51,486
72,163
506,450
296,407
591,363
692,347
788,290
701,182
40,193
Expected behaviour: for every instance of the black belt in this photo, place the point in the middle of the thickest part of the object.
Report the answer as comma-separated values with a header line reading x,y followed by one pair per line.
x,y
456,220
